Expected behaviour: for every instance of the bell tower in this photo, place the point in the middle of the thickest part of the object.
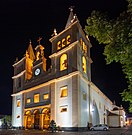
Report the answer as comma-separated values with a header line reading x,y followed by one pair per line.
x,y
39,53
29,62
71,49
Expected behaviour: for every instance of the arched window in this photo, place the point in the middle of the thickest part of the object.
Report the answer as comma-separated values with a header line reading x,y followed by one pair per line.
x,y
84,64
63,62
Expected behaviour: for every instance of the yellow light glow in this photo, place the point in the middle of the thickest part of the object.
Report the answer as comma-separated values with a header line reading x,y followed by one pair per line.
x,y
28,112
18,103
84,64
46,96
84,47
28,100
44,63
63,42
63,62
58,45
64,92
81,42
37,55
36,98
68,39
38,107
29,65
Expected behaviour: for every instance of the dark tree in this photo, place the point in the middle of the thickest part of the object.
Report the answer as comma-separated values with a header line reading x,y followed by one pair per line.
x,y
53,126
116,35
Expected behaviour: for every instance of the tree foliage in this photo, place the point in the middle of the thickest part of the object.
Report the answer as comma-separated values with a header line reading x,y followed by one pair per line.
x,y
6,121
116,34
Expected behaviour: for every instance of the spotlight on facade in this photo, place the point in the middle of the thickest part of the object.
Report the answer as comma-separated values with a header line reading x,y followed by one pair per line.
x,y
0,123
92,109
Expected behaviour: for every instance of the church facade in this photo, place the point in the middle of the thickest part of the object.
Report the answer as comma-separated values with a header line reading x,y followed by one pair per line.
x,y
63,93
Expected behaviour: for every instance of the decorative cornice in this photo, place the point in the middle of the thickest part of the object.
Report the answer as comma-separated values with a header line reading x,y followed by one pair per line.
x,y
47,83
51,39
18,62
95,88
38,107
64,50
18,75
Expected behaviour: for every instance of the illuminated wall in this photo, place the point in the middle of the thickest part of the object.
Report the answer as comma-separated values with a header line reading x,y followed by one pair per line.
x,y
100,105
17,111
65,89
84,102
64,104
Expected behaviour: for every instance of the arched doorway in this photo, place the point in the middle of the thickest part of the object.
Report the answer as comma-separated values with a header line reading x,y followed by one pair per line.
x,y
36,119
46,117
28,119
95,114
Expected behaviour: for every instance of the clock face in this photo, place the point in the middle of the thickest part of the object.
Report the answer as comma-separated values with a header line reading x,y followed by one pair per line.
x,y
37,71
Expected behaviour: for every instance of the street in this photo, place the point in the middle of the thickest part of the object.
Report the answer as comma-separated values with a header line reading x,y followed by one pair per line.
x,y
112,131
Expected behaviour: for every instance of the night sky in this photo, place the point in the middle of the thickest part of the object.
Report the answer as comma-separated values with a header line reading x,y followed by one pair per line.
x,y
22,20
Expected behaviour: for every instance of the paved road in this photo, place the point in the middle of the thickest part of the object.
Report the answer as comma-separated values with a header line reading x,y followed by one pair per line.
x,y
112,131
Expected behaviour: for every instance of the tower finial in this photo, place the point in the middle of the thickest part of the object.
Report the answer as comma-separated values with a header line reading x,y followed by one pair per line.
x,y
16,59
30,42
55,32
71,8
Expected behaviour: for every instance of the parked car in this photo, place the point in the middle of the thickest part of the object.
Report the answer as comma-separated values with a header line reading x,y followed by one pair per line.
x,y
100,127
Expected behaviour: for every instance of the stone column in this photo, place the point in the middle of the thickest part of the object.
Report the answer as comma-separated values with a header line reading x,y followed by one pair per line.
x,y
25,121
32,126
53,101
89,103
41,121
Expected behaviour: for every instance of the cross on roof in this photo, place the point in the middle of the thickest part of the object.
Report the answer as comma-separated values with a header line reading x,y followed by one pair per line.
x,y
40,38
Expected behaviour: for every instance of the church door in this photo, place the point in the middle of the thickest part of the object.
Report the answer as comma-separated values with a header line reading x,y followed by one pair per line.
x,y
46,118
28,120
36,119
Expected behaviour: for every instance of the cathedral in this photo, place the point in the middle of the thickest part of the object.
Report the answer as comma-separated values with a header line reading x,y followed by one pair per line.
x,y
64,92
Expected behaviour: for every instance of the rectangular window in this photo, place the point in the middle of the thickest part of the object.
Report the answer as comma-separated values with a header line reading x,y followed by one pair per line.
x,y
28,100
99,105
18,103
58,45
46,96
63,109
64,91
36,98
84,96
84,47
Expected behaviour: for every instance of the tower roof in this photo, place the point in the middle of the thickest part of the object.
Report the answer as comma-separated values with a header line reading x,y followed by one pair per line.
x,y
31,52
71,17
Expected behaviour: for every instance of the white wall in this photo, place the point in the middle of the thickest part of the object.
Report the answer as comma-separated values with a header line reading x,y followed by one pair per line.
x,y
84,104
64,119
102,102
17,111
114,121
